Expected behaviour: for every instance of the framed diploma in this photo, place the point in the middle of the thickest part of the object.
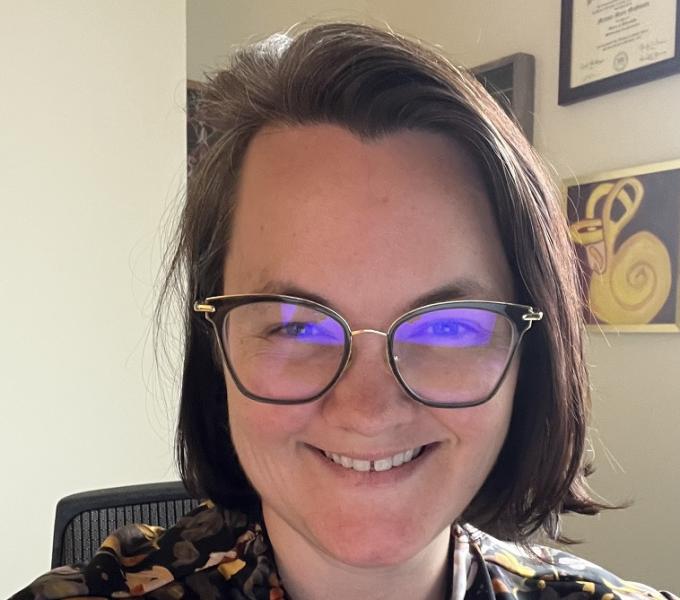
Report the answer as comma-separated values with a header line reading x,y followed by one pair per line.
x,y
608,45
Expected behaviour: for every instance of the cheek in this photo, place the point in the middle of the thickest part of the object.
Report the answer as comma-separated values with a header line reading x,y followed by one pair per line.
x,y
481,430
477,423
259,429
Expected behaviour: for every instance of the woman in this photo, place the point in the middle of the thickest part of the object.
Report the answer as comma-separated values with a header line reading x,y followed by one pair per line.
x,y
384,353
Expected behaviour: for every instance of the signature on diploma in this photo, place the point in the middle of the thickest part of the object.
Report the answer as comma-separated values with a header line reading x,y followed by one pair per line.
x,y
591,65
651,56
652,50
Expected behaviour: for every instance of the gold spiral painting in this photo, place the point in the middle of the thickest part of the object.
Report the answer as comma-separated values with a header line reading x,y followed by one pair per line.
x,y
630,277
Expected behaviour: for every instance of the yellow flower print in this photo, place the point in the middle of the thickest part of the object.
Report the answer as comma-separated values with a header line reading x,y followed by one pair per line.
x,y
148,580
215,558
229,569
511,563
133,543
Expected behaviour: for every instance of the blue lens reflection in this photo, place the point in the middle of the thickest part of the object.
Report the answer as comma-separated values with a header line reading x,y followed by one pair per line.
x,y
320,329
451,327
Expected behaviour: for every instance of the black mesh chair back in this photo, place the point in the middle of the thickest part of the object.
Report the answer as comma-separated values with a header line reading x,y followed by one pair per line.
x,y
83,521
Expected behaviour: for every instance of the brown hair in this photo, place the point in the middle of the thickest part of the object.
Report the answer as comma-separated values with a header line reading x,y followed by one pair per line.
x,y
374,82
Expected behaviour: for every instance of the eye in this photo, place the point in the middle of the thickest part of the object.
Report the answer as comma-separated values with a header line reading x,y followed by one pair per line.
x,y
449,331
325,331
298,330
449,327
444,331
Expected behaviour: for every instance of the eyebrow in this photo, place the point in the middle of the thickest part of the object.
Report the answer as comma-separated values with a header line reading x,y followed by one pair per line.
x,y
286,288
460,289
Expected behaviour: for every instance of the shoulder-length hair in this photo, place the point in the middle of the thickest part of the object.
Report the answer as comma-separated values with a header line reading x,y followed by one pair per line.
x,y
373,83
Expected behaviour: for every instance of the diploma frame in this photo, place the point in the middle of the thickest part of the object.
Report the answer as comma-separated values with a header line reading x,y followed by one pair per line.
x,y
633,245
568,94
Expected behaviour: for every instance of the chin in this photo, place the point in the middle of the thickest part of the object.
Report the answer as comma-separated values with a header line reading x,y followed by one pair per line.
x,y
370,555
372,544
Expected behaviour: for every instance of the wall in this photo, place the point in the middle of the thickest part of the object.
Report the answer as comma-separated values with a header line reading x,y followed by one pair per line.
x,y
92,154
636,377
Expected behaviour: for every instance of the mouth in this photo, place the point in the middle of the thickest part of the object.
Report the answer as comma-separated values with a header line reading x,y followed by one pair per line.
x,y
386,463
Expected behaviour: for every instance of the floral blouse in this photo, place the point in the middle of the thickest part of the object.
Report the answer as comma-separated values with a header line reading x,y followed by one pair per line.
x,y
213,554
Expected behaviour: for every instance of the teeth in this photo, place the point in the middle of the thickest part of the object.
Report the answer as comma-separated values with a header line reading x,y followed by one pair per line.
x,y
361,465
382,464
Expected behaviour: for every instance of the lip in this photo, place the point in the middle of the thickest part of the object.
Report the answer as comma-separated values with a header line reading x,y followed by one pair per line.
x,y
389,477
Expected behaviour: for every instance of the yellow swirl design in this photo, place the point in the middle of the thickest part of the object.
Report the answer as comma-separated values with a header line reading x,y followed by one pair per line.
x,y
631,285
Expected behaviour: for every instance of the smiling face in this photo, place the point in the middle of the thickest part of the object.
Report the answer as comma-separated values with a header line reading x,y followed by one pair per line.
x,y
370,228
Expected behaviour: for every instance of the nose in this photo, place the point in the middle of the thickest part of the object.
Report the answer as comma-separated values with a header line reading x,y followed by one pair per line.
x,y
367,399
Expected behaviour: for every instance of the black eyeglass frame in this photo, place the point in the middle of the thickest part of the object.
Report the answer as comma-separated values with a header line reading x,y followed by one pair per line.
x,y
216,308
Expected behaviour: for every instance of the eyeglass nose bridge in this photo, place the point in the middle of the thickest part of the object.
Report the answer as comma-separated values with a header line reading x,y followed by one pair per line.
x,y
361,331
356,332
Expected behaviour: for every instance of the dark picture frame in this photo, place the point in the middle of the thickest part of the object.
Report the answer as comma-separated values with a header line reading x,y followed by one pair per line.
x,y
197,132
510,80
623,35
625,226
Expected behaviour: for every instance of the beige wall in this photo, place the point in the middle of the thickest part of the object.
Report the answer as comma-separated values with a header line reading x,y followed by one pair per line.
x,y
92,152
636,378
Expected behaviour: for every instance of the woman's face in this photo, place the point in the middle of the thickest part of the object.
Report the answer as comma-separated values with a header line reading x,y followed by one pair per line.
x,y
370,227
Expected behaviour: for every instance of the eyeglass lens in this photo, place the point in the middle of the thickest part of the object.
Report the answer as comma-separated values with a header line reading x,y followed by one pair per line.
x,y
281,350
287,351
453,355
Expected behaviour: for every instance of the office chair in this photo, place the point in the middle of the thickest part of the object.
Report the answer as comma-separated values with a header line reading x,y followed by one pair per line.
x,y
84,520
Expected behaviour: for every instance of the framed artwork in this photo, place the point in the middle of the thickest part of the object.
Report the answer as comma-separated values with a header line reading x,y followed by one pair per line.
x,y
510,80
608,45
625,226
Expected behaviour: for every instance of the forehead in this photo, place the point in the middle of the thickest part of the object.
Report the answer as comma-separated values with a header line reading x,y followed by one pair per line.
x,y
326,211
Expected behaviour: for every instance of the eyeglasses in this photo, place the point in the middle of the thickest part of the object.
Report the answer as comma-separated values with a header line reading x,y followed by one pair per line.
x,y
288,350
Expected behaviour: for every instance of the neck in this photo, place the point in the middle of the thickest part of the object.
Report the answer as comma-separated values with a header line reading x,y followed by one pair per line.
x,y
308,573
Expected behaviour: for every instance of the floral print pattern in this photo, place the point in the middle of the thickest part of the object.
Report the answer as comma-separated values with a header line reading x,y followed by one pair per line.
x,y
217,554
